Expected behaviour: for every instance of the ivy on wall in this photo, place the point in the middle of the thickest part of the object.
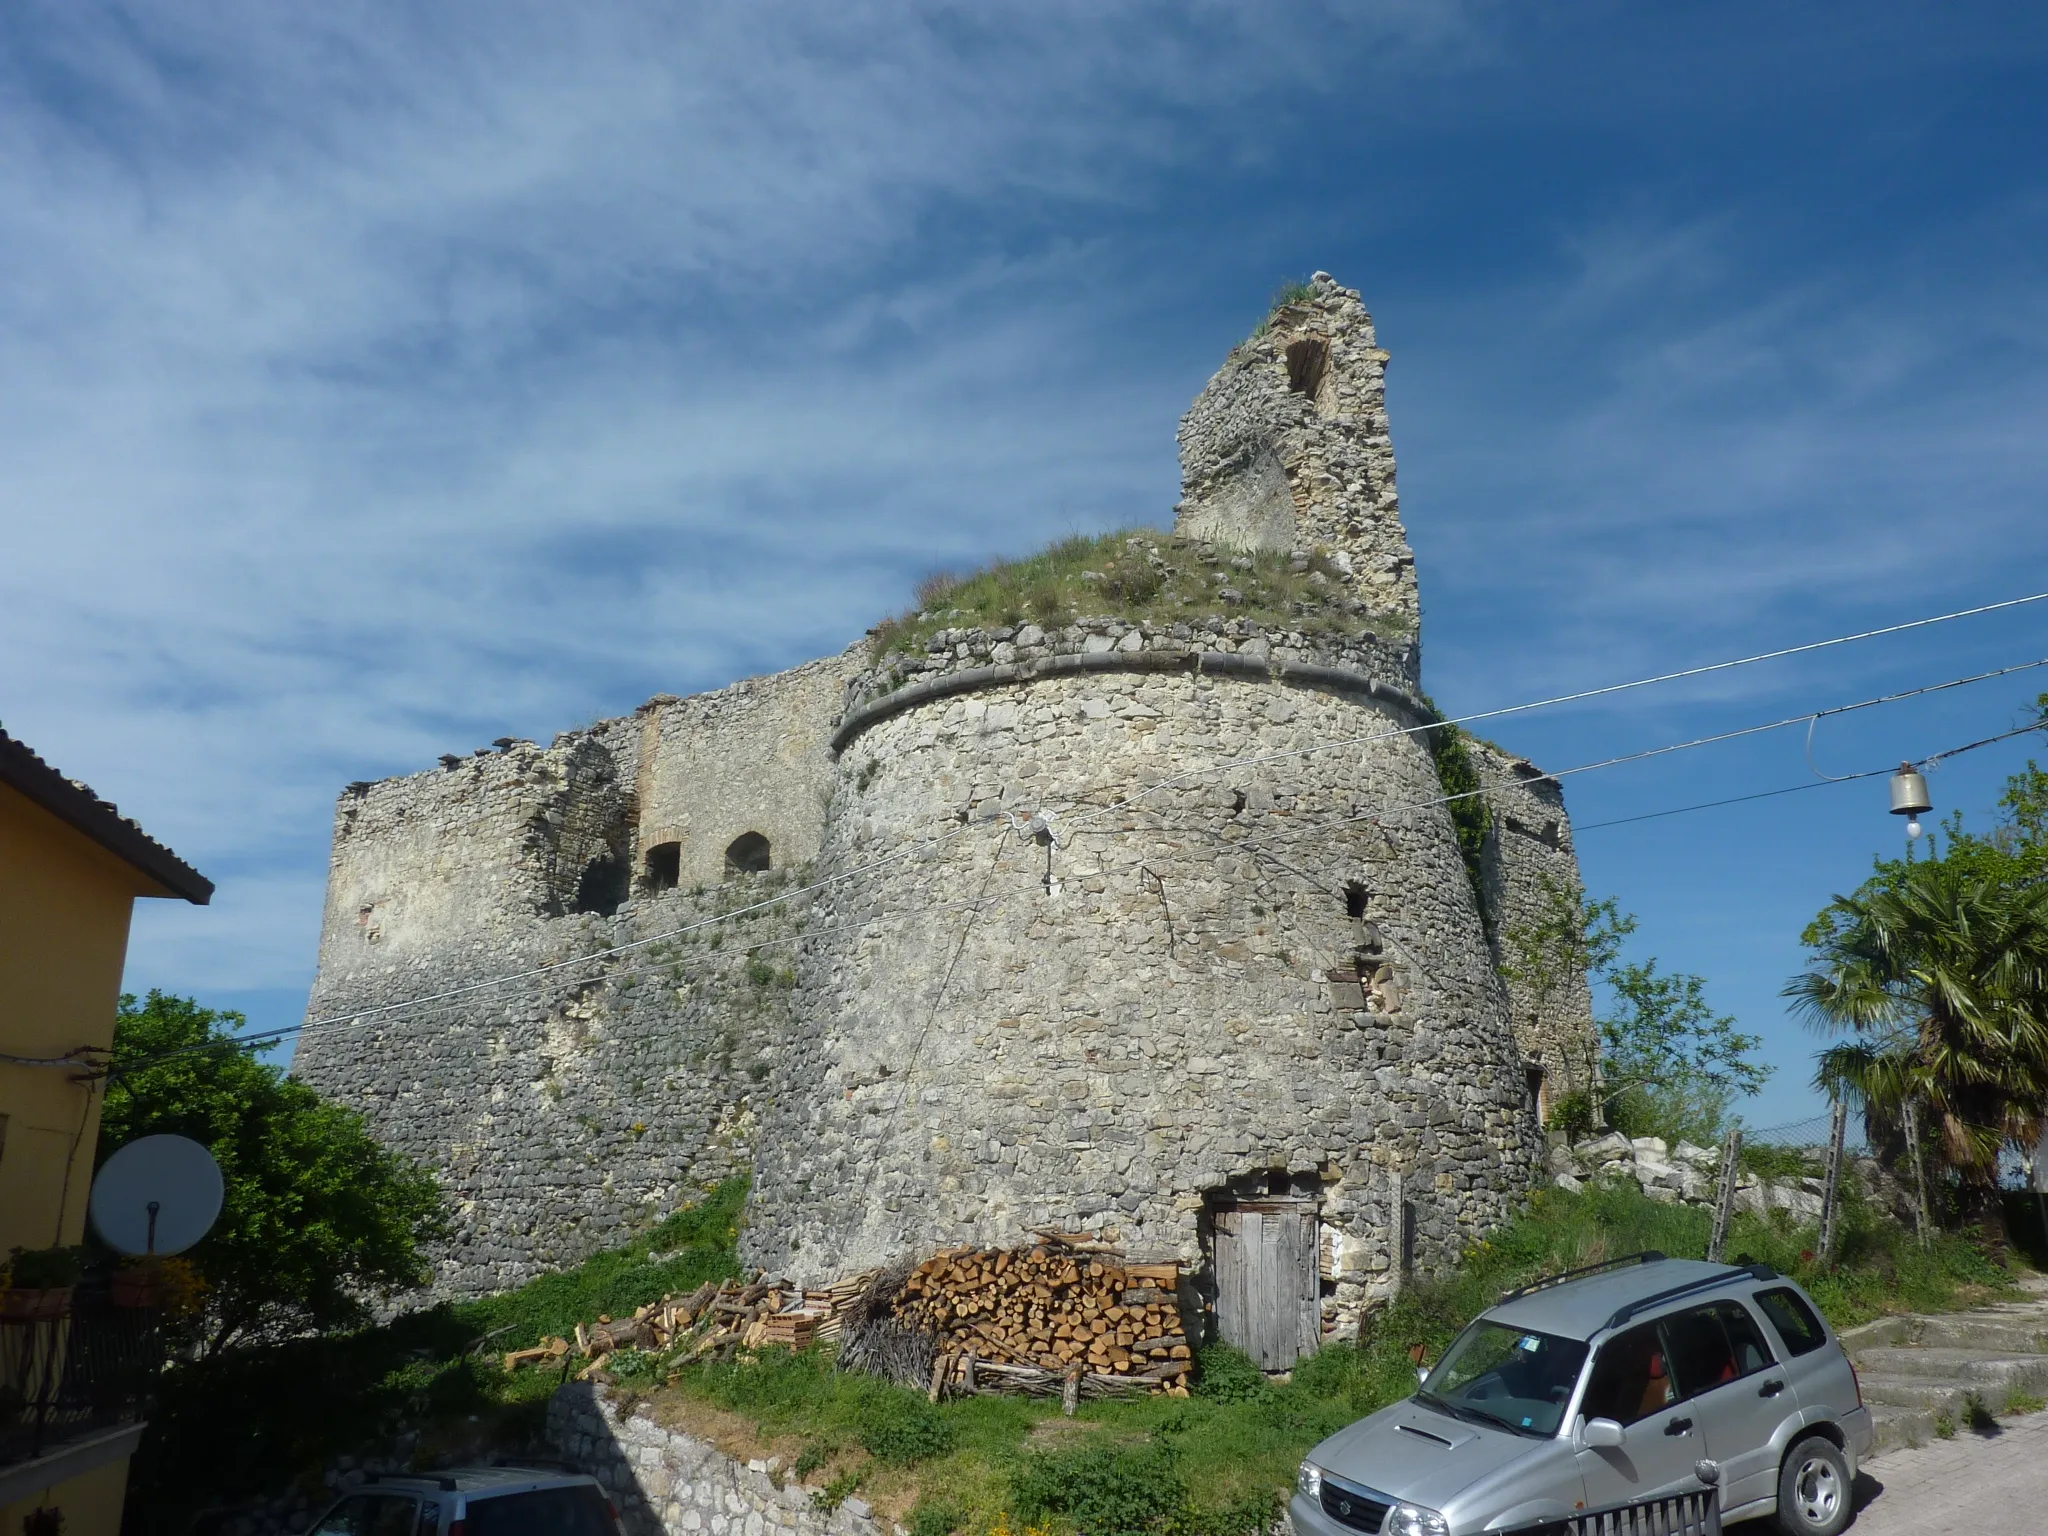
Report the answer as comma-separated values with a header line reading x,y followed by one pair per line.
x,y
1451,750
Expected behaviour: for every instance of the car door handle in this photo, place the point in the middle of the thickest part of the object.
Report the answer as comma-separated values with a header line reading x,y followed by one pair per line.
x,y
1770,1389
1678,1427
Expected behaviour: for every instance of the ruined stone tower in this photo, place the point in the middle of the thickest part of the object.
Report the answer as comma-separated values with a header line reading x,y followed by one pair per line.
x,y
1134,921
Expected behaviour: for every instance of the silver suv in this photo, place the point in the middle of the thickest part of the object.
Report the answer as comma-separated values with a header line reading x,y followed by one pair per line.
x,y
473,1501
1635,1378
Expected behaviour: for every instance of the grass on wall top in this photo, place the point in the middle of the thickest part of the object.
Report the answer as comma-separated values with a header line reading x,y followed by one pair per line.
x,y
1135,574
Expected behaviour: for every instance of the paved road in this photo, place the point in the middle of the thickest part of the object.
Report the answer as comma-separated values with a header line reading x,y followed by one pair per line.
x,y
1973,1485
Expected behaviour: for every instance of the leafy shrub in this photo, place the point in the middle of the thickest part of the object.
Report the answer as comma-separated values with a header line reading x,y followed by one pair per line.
x,y
1227,1375
935,1517
901,1428
40,1269
1572,1116
1103,1488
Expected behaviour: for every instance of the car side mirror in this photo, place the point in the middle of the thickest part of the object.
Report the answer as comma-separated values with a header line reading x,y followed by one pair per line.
x,y
1602,1435
1422,1375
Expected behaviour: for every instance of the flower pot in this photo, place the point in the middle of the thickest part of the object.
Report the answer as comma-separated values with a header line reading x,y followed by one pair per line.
x,y
137,1288
25,1306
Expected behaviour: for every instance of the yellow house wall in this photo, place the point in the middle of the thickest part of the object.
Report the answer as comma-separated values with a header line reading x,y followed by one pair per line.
x,y
64,909
91,1502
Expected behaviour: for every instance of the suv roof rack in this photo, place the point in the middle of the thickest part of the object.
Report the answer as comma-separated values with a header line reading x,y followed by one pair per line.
x,y
1629,1309
444,1483
1647,1256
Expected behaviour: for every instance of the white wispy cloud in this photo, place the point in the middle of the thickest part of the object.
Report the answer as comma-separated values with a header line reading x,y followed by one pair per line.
x,y
377,380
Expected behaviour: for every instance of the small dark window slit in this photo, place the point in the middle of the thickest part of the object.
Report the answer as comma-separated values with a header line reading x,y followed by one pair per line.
x,y
1306,362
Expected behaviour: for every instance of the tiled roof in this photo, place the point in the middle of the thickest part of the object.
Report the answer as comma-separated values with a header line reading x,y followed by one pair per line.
x,y
73,802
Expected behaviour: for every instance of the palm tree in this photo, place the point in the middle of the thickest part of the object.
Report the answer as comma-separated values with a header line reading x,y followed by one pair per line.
x,y
1940,977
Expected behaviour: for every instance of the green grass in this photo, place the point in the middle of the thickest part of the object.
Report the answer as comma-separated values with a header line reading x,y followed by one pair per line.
x,y
1213,1464
1135,573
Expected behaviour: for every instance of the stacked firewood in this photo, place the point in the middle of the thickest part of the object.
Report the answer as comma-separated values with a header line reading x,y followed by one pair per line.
x,y
1066,1317
1062,1316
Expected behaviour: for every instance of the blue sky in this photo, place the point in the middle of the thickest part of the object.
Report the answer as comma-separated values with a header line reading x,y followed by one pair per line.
x,y
378,380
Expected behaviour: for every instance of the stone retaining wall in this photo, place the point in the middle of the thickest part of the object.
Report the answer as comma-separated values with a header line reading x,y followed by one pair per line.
x,y
667,1483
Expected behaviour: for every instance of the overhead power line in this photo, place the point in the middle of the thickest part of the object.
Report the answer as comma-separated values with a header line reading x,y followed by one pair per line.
x,y
451,997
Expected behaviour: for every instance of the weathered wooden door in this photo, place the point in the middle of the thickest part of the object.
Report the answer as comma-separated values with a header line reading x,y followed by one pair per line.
x,y
1268,1300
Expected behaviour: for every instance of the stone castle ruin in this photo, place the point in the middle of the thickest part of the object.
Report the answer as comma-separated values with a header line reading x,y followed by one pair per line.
x,y
1152,918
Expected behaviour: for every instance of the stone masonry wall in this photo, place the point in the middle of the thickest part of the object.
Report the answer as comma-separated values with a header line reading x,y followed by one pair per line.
x,y
953,652
1529,853
668,1483
561,1110
1003,1034
749,758
566,1109
1288,448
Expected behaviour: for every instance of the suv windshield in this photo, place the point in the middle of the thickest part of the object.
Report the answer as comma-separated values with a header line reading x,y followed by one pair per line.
x,y
577,1511
1507,1376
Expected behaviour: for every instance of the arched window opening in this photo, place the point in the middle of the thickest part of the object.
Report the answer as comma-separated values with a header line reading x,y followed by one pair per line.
x,y
748,854
664,863
1306,361
1354,899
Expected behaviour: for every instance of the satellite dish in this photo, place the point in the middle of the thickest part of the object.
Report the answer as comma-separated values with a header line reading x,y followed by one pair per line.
x,y
158,1194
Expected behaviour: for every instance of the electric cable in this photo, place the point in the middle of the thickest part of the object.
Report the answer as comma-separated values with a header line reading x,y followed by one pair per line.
x,y
1580,696
1255,846
932,843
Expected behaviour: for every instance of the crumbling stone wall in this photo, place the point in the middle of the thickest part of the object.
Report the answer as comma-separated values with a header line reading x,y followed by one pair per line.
x,y
1113,1027
569,1107
1288,448
1528,856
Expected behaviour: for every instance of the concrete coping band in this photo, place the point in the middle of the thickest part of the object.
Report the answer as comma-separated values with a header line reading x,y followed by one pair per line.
x,y
1341,681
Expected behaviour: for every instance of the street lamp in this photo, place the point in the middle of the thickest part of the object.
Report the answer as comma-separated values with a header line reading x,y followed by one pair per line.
x,y
1909,797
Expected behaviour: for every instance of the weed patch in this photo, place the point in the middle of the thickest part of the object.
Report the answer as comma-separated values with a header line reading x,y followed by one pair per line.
x,y
1136,573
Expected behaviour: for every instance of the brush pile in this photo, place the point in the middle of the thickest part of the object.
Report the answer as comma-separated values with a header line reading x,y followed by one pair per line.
x,y
716,1318
1064,1316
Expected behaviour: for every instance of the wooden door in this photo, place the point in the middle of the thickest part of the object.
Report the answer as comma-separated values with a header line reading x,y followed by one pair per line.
x,y
1268,1300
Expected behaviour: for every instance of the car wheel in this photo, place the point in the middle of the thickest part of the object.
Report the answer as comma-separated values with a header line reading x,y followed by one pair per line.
x,y
1813,1490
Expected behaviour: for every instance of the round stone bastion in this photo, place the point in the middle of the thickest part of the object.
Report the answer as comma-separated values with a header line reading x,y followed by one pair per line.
x,y
1128,927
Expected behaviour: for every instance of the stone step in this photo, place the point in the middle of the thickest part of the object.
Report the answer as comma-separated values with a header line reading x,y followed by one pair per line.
x,y
1896,1428
1909,1392
2020,1330
1965,1366
1904,1408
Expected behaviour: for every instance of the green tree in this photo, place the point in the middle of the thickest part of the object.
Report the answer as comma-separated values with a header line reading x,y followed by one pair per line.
x,y
318,1219
1673,1066
1669,1064
1937,972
